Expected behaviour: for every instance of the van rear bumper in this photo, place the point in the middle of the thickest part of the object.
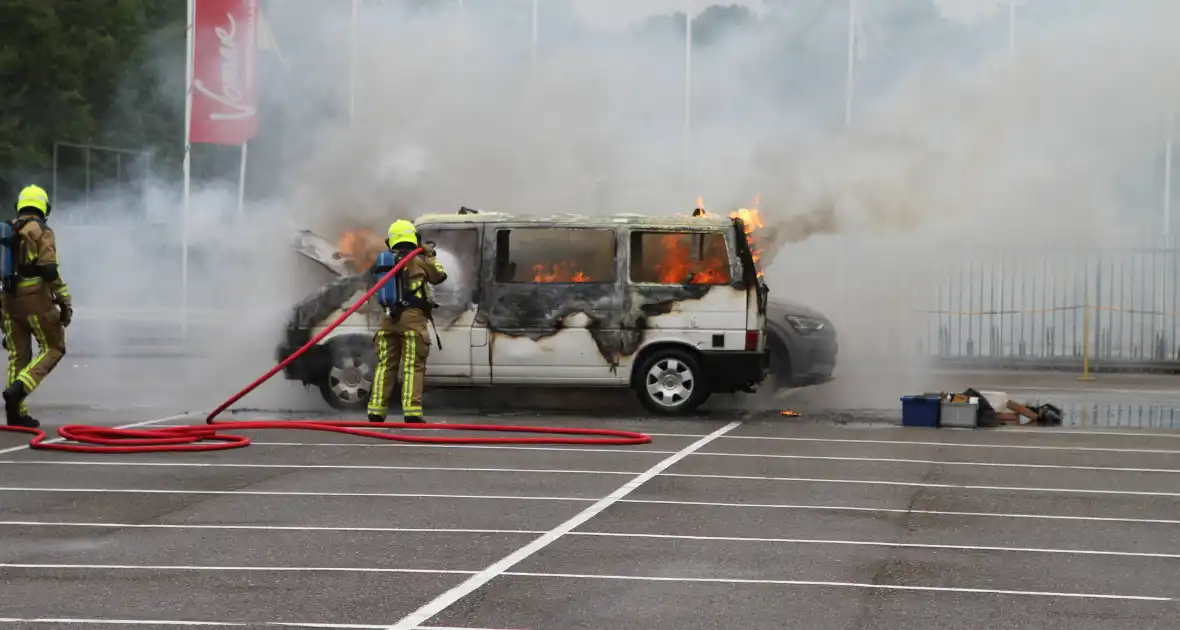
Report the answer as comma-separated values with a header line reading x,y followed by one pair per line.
x,y
728,372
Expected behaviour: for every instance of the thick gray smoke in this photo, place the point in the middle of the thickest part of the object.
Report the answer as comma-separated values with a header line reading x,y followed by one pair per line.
x,y
952,139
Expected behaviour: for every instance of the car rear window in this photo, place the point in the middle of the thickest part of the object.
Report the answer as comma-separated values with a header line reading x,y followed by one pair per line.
x,y
555,255
660,257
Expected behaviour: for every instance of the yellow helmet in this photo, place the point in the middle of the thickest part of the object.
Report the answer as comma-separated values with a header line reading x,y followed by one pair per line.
x,y
401,231
33,197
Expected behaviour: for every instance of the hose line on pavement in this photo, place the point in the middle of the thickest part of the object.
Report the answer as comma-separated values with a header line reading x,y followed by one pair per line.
x,y
208,436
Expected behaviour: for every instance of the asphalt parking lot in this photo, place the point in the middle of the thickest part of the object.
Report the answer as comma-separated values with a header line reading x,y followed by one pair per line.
x,y
718,523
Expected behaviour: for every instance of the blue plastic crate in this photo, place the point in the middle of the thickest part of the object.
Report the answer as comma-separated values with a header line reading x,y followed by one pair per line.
x,y
920,411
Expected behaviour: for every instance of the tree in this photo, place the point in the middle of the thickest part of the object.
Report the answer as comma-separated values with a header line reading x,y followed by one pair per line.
x,y
66,64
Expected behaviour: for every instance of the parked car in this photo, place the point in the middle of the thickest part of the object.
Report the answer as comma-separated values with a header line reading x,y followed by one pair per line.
x,y
672,307
801,343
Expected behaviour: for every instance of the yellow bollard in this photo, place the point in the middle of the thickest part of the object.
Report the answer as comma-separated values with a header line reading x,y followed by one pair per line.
x,y
1086,344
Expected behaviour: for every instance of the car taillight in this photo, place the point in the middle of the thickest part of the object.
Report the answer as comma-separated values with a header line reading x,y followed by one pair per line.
x,y
751,340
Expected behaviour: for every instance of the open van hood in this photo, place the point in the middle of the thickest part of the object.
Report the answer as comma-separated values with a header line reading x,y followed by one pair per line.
x,y
322,251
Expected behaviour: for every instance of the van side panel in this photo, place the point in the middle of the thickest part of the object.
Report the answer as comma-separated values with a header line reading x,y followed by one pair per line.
x,y
711,311
549,292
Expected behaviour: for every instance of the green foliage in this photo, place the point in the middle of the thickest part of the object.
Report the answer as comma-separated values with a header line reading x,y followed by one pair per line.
x,y
78,71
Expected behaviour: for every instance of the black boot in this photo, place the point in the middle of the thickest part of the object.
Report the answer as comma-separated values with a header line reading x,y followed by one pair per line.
x,y
414,420
13,396
27,421
376,418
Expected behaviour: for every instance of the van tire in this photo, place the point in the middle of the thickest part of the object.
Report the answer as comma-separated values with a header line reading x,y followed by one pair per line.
x,y
347,382
685,390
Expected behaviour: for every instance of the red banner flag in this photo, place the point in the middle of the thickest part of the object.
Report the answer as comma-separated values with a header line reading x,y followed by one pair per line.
x,y
225,106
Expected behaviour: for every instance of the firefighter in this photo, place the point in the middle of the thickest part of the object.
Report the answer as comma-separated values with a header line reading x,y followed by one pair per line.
x,y
403,338
37,304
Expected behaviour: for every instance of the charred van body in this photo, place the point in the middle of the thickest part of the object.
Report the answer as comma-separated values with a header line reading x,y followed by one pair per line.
x,y
673,307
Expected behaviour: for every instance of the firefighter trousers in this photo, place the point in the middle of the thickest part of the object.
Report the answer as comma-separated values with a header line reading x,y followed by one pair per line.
x,y
405,350
25,318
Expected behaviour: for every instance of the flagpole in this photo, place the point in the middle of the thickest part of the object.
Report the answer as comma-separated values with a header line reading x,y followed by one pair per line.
x,y
1011,27
686,140
851,72
536,34
242,182
190,41
1171,131
356,5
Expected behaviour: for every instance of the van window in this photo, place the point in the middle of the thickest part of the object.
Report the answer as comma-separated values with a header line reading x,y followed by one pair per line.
x,y
555,255
679,258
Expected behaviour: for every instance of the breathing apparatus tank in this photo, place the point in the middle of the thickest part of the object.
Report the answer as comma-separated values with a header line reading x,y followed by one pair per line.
x,y
8,256
389,295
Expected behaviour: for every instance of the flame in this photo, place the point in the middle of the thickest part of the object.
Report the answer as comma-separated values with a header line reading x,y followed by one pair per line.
x,y
360,247
677,265
564,271
752,221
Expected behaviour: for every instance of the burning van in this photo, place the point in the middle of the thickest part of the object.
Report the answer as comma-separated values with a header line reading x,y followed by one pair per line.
x,y
672,307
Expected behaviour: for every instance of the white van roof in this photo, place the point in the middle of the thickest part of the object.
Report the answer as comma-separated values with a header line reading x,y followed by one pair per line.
x,y
709,220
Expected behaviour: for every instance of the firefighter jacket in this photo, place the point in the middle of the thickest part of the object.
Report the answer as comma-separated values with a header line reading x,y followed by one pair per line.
x,y
37,263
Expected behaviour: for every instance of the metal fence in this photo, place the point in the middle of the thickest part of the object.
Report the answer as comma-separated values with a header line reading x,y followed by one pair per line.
x,y
990,307
1046,308
1029,308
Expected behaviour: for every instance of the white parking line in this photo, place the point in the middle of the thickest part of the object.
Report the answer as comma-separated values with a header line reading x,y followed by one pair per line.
x,y
872,482
717,504
293,493
1035,447
584,576
593,534
444,601
625,450
213,624
848,508
124,426
673,503
876,543
926,484
18,462
643,451
272,528
881,460
235,569
892,587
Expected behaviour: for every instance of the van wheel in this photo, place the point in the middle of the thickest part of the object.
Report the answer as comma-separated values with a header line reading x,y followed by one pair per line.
x,y
347,384
670,383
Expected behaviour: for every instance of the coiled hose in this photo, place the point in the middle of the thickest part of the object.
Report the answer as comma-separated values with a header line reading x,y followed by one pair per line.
x,y
208,436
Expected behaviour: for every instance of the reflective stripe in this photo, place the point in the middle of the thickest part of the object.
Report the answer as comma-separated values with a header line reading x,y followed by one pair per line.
x,y
377,397
10,345
43,350
29,282
409,351
33,195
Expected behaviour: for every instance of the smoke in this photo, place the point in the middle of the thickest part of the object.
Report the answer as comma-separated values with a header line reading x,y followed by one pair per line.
x,y
952,141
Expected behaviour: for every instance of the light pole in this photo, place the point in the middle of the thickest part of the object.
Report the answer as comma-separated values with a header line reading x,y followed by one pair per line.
x,y
536,33
356,5
850,77
686,140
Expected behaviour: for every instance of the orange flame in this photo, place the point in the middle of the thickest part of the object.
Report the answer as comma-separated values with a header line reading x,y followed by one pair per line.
x,y
678,266
564,271
752,221
360,248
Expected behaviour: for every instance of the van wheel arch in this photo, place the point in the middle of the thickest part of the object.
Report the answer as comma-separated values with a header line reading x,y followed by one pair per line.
x,y
686,360
780,361
346,381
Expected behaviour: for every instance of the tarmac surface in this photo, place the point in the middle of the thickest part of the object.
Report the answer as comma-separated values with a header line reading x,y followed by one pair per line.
x,y
735,519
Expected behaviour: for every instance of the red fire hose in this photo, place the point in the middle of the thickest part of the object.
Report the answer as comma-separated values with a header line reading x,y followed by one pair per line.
x,y
206,437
